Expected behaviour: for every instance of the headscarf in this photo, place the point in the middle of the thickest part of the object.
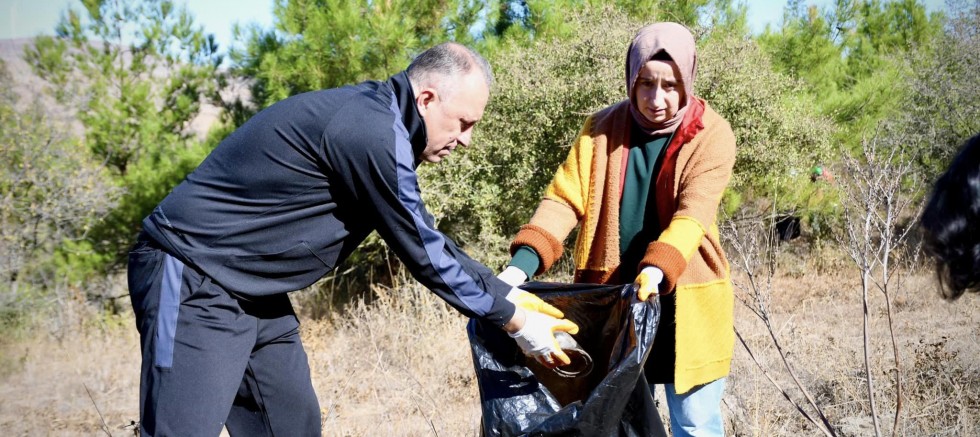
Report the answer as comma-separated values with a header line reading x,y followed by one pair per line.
x,y
678,42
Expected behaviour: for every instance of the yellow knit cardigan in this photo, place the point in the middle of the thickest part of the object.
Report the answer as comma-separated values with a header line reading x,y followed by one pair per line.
x,y
586,191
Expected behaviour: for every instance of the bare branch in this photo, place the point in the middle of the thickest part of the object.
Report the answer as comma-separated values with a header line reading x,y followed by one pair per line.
x,y
755,251
878,191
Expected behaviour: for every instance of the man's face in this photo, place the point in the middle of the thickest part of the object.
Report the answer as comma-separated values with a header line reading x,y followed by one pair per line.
x,y
449,120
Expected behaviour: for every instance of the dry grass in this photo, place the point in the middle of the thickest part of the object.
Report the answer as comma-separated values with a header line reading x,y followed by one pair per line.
x,y
48,377
401,366
818,320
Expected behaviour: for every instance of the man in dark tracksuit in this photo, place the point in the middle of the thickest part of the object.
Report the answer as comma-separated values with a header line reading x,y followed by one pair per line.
x,y
276,206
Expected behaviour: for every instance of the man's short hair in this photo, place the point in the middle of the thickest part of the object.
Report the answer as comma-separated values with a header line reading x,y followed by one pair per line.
x,y
445,61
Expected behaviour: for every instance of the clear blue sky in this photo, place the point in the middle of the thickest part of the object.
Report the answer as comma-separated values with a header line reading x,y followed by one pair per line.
x,y
28,18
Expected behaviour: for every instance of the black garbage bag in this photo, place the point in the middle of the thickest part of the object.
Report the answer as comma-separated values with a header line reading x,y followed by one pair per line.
x,y
521,398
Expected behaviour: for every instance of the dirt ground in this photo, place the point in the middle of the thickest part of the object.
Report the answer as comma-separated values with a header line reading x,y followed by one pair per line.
x,y
401,366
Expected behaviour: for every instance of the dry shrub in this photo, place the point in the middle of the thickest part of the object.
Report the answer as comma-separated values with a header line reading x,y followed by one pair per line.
x,y
945,386
399,365
818,320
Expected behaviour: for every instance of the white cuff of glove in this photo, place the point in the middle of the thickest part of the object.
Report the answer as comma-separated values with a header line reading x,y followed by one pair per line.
x,y
536,337
648,282
513,294
654,273
513,276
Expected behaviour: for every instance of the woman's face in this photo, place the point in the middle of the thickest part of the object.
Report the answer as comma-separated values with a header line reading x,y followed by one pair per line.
x,y
658,91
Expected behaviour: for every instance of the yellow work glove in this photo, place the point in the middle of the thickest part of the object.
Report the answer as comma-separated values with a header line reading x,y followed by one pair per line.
x,y
537,338
531,302
648,282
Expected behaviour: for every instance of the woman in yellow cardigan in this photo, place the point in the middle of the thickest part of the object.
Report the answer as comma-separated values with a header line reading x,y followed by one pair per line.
x,y
643,181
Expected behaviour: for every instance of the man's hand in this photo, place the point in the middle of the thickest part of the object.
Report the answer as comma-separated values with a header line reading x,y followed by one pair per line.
x,y
531,302
513,276
648,283
537,338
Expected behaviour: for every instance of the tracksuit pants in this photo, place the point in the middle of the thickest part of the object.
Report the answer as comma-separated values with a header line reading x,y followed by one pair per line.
x,y
211,360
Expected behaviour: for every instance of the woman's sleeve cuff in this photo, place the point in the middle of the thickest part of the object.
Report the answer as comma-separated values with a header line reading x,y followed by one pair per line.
x,y
526,259
668,259
547,247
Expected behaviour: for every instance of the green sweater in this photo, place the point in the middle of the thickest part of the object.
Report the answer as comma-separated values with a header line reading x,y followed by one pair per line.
x,y
638,223
638,226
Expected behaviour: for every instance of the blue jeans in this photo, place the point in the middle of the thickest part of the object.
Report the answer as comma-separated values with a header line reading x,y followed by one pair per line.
x,y
696,413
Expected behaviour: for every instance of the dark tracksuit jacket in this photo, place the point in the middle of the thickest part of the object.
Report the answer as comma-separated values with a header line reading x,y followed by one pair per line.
x,y
291,193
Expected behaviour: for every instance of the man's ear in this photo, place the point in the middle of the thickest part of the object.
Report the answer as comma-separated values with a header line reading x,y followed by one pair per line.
x,y
425,98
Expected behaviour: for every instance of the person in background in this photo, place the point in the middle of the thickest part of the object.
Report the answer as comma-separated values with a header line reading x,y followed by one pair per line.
x,y
643,181
950,223
820,173
276,206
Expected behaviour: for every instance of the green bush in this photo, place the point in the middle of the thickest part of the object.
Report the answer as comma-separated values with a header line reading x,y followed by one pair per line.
x,y
545,90
779,134
51,191
942,110
146,182
136,75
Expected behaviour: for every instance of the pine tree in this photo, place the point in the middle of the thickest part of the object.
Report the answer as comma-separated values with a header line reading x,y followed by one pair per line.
x,y
135,73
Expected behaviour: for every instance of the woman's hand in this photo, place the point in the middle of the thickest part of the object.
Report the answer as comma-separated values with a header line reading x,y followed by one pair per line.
x,y
648,282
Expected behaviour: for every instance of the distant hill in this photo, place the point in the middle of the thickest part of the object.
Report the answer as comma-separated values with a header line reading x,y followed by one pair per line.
x,y
30,88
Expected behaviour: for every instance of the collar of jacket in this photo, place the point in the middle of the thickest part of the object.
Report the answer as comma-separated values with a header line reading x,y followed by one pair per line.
x,y
692,124
414,123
